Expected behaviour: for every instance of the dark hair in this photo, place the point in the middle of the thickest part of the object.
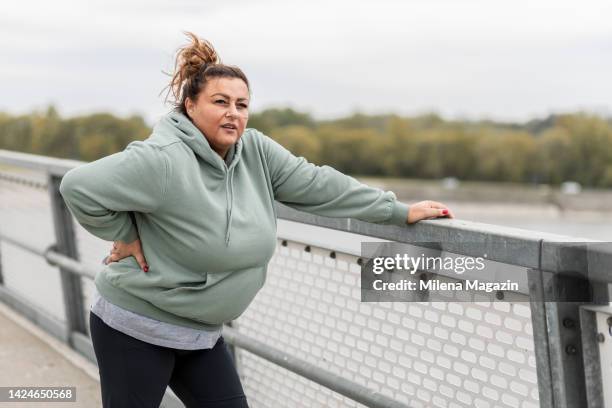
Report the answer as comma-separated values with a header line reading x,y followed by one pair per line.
x,y
195,64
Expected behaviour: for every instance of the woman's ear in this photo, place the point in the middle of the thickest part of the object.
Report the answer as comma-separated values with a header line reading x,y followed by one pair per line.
x,y
189,106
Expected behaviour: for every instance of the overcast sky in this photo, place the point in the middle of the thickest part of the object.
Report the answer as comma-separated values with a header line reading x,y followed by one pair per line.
x,y
510,60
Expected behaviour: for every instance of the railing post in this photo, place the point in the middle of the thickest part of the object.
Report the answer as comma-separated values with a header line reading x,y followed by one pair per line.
x,y
66,244
540,338
592,359
557,336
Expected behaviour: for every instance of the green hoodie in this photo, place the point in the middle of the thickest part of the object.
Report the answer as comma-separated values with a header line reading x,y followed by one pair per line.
x,y
208,230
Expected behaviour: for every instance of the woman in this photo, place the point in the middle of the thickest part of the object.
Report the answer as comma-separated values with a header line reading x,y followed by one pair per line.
x,y
197,197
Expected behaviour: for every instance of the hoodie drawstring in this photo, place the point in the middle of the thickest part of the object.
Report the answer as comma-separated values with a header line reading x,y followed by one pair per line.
x,y
229,196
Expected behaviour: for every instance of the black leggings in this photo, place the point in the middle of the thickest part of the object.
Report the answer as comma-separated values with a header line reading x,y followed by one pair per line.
x,y
135,374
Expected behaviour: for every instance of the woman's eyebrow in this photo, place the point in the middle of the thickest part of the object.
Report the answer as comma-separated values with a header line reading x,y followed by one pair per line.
x,y
227,96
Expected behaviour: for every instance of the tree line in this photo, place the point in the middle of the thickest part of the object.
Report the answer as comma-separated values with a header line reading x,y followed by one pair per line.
x,y
573,146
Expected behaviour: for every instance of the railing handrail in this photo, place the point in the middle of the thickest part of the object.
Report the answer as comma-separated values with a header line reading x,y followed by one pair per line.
x,y
51,165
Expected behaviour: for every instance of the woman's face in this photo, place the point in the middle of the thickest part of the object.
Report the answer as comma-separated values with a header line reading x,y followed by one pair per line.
x,y
221,112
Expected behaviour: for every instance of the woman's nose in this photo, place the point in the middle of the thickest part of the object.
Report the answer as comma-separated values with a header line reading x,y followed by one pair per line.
x,y
232,111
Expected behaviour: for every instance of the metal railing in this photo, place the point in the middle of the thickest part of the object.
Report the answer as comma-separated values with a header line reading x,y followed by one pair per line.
x,y
564,336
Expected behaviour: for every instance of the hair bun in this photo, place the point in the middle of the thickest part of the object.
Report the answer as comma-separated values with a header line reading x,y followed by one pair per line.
x,y
190,60
195,64
199,52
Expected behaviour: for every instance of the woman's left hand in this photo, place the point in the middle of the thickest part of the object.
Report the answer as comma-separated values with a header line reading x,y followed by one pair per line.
x,y
428,210
123,250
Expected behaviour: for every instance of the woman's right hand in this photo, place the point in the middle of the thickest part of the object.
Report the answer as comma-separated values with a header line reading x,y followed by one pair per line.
x,y
428,210
122,250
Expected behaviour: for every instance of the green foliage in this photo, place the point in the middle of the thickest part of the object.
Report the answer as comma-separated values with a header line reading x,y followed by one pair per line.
x,y
555,149
84,138
273,118
299,140
590,148
508,156
355,151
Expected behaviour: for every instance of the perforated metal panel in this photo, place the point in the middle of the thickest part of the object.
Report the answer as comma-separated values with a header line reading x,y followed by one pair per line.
x,y
427,354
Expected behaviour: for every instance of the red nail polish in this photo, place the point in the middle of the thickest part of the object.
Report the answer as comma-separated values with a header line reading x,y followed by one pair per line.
x,y
444,212
146,268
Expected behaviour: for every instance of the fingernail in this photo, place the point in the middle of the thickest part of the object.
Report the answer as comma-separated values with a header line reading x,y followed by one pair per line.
x,y
444,212
146,268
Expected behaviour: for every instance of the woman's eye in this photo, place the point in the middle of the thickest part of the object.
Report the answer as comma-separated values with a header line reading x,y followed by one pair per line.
x,y
220,101
242,105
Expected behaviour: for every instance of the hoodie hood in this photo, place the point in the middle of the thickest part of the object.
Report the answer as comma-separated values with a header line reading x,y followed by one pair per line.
x,y
178,125
175,124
